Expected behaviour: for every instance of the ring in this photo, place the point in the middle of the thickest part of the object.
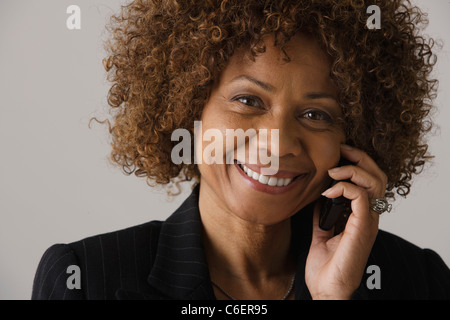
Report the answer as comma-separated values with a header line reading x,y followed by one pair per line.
x,y
380,205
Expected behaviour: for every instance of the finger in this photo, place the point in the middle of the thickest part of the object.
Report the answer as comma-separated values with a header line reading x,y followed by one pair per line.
x,y
359,198
362,225
362,160
318,234
374,186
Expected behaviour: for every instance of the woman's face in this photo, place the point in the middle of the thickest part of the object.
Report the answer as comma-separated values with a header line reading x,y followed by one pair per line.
x,y
299,99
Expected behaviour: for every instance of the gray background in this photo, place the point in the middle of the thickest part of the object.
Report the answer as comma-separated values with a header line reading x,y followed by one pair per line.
x,y
56,185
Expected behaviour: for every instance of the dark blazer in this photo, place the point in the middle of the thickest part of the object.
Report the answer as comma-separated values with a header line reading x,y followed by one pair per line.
x,y
165,260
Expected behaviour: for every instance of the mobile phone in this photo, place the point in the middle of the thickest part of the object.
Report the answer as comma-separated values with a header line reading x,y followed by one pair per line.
x,y
335,212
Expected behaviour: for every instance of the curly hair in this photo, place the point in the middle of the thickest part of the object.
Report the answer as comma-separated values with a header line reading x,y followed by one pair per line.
x,y
163,57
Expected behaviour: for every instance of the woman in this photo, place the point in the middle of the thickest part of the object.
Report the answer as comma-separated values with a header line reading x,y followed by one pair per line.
x,y
330,88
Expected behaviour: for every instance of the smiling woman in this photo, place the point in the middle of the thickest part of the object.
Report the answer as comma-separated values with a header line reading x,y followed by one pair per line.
x,y
299,99
330,87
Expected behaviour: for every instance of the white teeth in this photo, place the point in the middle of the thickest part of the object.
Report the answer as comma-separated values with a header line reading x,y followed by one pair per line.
x,y
271,181
263,179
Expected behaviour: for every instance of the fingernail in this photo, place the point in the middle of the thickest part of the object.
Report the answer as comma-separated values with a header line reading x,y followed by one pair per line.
x,y
326,192
346,147
334,170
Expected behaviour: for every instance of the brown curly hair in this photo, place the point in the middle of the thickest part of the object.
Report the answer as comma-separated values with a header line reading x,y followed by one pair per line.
x,y
164,55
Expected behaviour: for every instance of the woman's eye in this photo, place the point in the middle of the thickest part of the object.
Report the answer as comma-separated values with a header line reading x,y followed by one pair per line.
x,y
317,120
249,101
317,116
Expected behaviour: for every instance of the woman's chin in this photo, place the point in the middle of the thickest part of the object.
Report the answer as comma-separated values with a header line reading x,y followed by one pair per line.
x,y
258,207
263,215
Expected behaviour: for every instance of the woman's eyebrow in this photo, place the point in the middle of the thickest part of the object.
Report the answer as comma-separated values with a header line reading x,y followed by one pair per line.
x,y
262,85
268,87
318,95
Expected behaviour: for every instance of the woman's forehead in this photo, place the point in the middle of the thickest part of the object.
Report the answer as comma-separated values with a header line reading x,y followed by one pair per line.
x,y
308,65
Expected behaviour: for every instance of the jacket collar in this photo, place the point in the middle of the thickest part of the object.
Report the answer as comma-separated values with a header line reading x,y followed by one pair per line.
x,y
180,270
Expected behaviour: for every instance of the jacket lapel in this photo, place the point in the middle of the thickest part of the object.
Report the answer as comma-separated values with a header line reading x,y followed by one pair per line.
x,y
180,270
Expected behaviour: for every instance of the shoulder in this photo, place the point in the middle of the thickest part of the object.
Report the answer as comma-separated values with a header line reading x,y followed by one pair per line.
x,y
408,271
50,279
119,259
118,243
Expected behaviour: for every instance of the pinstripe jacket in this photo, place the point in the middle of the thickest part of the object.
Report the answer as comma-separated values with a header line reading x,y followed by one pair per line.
x,y
165,260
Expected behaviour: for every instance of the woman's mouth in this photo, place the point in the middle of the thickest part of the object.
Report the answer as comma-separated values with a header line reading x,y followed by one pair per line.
x,y
268,184
271,181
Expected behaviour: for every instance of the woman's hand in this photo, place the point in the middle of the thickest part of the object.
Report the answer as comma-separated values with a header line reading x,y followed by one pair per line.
x,y
335,264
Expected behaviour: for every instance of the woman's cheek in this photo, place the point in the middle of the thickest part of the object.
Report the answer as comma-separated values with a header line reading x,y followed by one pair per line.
x,y
326,154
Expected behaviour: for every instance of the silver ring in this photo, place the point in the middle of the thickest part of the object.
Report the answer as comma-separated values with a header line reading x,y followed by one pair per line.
x,y
380,205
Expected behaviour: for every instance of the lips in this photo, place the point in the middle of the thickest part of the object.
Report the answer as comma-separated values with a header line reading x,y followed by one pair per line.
x,y
269,180
275,184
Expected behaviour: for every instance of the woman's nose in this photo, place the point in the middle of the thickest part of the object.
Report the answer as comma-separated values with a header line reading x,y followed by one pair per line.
x,y
283,138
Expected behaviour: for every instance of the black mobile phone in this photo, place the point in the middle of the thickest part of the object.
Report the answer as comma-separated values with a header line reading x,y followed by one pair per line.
x,y
335,212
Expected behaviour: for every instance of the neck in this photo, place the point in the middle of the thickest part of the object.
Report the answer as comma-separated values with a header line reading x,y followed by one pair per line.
x,y
243,252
